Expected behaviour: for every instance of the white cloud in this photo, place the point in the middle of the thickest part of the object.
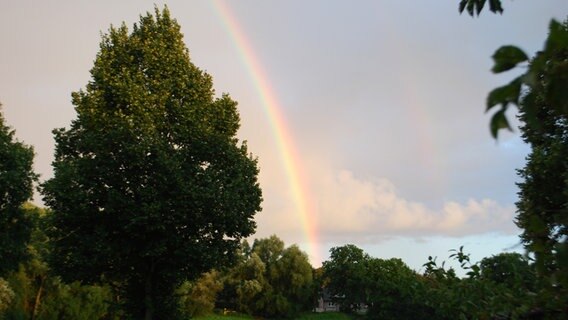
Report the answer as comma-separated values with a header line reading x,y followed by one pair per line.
x,y
353,209
350,205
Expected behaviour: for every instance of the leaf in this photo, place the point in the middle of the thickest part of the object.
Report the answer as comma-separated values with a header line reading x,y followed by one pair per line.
x,y
507,57
495,6
462,5
476,6
506,94
480,5
499,121
471,7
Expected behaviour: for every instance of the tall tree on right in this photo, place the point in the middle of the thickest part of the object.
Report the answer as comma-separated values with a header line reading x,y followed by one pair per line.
x,y
541,94
543,193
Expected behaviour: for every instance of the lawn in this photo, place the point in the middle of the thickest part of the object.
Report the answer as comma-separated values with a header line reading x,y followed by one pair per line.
x,y
305,316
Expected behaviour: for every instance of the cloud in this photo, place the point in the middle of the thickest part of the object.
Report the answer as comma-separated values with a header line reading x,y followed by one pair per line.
x,y
356,207
352,209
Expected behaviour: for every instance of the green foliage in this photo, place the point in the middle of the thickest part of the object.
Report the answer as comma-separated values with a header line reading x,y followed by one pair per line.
x,y
198,298
75,301
346,274
40,295
507,57
510,269
271,280
394,291
546,76
388,289
541,95
500,287
151,187
548,64
16,187
6,295
543,192
48,298
303,316
474,7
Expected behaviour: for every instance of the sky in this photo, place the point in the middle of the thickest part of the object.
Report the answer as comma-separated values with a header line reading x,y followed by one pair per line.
x,y
367,117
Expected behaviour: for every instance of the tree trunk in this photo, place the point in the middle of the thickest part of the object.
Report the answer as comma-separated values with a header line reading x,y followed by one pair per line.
x,y
37,300
149,299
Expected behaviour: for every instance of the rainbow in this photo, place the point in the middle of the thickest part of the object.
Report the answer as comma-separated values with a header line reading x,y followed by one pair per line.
x,y
284,138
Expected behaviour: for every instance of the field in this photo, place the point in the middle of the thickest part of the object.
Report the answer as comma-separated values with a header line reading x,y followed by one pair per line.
x,y
306,316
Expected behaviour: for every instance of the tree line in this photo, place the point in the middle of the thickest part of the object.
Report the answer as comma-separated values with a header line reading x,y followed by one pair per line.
x,y
273,281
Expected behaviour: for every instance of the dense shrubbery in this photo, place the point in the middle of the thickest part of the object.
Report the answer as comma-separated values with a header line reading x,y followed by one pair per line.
x,y
498,287
33,292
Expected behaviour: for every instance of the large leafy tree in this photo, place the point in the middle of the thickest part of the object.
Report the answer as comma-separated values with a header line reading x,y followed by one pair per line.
x,y
271,280
288,276
394,291
197,298
151,185
16,187
346,275
508,268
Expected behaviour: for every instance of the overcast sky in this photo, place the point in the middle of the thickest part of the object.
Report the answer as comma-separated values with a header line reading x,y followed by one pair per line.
x,y
384,101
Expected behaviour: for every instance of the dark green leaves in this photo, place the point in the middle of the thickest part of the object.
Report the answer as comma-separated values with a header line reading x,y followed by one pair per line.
x,y
505,94
474,7
499,121
547,75
507,57
495,6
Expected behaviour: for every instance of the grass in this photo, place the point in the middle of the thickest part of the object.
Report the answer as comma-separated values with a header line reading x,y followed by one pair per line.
x,y
324,316
305,316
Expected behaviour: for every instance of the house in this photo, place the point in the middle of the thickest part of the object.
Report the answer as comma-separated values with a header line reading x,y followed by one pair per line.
x,y
332,303
326,302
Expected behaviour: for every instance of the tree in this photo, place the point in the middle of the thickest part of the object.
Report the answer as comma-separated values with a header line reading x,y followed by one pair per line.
x,y
346,275
197,298
291,279
38,294
16,187
541,96
394,291
543,191
483,294
151,186
248,279
272,280
6,295
510,269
